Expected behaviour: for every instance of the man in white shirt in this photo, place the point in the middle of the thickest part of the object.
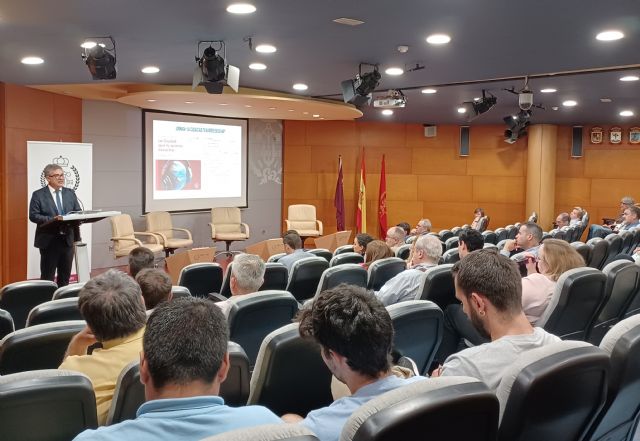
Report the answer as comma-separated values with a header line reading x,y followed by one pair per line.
x,y
395,238
247,276
528,239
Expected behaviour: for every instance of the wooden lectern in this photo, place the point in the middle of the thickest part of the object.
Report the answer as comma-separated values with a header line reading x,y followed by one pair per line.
x,y
266,248
333,241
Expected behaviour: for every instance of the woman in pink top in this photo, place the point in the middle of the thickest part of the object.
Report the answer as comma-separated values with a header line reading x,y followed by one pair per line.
x,y
554,258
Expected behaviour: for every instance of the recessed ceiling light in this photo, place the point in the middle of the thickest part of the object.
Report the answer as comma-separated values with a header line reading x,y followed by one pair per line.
x,y
257,66
555,108
387,112
32,60
477,98
322,117
151,101
605,100
549,90
305,113
630,78
300,86
462,110
289,110
428,91
438,39
348,21
394,71
189,102
241,8
609,35
88,45
569,103
626,113
272,108
265,48
248,105
223,104
150,69
315,115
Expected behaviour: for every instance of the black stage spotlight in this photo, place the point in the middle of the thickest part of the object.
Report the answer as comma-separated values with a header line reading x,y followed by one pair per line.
x,y
516,126
100,59
212,72
359,90
484,104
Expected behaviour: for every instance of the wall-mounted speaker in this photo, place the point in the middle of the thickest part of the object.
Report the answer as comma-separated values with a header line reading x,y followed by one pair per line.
x,y
576,142
430,131
464,141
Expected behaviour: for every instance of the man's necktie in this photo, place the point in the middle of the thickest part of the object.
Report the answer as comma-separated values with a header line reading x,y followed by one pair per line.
x,y
59,203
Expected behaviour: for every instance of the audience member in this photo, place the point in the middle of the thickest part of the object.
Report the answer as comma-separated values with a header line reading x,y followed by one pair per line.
x,y
631,219
423,227
610,225
360,243
490,289
395,238
562,221
247,276
139,259
113,308
469,240
183,363
478,220
376,250
155,285
528,239
293,249
406,227
406,285
355,334
576,216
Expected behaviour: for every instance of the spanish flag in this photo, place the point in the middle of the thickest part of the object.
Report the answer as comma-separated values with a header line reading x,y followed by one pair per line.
x,y
361,213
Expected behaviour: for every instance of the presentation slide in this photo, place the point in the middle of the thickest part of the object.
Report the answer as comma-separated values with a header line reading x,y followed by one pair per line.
x,y
194,162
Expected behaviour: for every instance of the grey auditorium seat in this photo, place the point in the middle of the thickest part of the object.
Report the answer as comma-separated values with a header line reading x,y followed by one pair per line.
x,y
501,234
20,297
615,247
267,432
554,392
252,317
445,234
343,249
444,408
451,256
599,252
381,271
276,276
437,286
305,275
225,289
490,237
276,257
451,243
349,273
346,257
321,252
54,311
180,291
290,375
512,230
627,242
583,249
404,251
576,302
235,388
6,323
418,331
127,396
68,291
201,278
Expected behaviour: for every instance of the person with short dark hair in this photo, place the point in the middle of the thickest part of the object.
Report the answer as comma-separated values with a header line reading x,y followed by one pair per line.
x,y
113,308
293,249
139,259
469,240
406,227
183,362
155,285
355,334
360,243
490,289
527,240
611,225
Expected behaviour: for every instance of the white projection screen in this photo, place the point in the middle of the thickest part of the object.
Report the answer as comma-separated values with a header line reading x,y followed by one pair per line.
x,y
194,162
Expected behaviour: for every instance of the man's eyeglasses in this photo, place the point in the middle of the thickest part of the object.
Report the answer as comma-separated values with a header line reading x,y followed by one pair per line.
x,y
58,175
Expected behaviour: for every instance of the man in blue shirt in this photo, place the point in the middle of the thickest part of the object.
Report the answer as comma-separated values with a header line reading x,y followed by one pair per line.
x,y
293,248
183,363
355,334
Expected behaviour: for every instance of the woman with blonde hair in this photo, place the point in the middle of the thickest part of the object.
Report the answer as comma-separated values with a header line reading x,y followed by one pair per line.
x,y
555,257
376,250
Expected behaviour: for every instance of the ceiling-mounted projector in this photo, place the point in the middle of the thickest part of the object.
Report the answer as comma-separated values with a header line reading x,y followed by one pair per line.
x,y
395,99
212,71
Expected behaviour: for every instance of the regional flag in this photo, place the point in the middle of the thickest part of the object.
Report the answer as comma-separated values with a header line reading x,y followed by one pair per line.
x,y
382,202
361,213
338,200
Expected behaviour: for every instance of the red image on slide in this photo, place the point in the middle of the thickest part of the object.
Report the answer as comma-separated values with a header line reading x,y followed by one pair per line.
x,y
178,174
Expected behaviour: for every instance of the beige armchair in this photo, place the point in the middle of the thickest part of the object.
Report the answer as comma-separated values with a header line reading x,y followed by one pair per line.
x,y
124,238
302,218
159,223
226,225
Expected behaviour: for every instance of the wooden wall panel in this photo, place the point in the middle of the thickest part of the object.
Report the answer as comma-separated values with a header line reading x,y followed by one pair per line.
x,y
499,189
459,188
598,163
571,192
294,133
300,185
335,133
382,134
297,159
324,158
438,161
497,162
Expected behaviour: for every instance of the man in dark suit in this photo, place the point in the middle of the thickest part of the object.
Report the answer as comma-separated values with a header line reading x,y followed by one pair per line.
x,y
55,242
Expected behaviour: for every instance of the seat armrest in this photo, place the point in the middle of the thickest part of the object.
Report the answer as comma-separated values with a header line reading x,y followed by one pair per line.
x,y
246,229
184,230
163,238
130,239
213,230
288,224
152,235
216,297
319,226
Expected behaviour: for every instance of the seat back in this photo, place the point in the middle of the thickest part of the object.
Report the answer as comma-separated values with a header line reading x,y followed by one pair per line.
x,y
201,278
68,291
302,217
160,222
127,396
555,389
276,276
445,234
576,301
225,289
347,257
490,237
620,415
451,243
252,317
623,282
559,234
37,347
403,251
501,234
226,219
437,286
21,297
343,249
483,224
54,311
451,256
267,432
121,226
573,233
350,273
321,252
627,242
180,291
305,276
6,323
583,249
275,257
381,271
501,243
455,408
49,405
512,231
290,375
599,252
417,328
615,247
235,388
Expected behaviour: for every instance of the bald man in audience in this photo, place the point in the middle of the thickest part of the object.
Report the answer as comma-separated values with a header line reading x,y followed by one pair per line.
x,y
113,307
247,276
562,220
395,238
155,285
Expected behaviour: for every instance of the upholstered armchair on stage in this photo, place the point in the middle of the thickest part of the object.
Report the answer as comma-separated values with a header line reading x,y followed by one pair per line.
x,y
226,225
302,218
124,238
159,223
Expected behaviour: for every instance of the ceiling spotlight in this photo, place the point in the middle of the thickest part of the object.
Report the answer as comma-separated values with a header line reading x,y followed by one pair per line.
x,y
189,102
101,60
32,60
300,86
516,126
569,103
212,71
394,71
359,91
428,91
438,39
482,105
609,36
257,66
462,110
626,113
605,100
150,69
549,90
630,78
265,48
88,44
241,8
151,101
387,112
315,115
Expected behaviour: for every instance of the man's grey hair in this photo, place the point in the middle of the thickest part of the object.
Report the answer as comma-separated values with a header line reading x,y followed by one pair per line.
x,y
49,168
627,200
397,233
425,223
431,246
248,269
